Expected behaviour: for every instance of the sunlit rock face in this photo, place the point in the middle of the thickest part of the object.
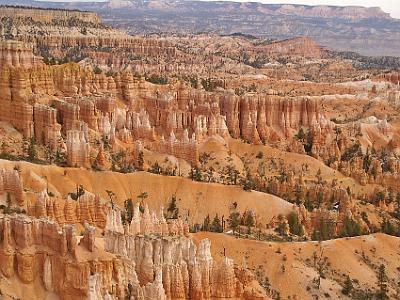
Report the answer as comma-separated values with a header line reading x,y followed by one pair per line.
x,y
155,267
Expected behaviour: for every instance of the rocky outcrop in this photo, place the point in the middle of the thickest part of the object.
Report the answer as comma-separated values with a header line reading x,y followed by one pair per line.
x,y
296,47
154,267
10,183
268,119
174,121
47,16
171,268
146,223
87,209
17,54
47,130
88,240
186,148
78,149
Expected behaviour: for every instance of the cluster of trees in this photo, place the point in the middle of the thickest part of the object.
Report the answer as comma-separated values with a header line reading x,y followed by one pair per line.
x,y
35,153
216,225
382,293
166,171
120,162
156,79
235,221
294,226
229,175
192,80
306,138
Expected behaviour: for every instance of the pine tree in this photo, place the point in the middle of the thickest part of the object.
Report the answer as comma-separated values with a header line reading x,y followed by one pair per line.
x,y
350,228
398,204
32,152
248,219
128,204
234,220
173,210
348,286
216,224
320,199
382,283
294,225
206,223
195,174
140,160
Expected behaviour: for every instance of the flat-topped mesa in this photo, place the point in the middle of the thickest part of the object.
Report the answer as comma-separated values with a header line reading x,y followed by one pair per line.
x,y
297,47
10,183
17,54
48,16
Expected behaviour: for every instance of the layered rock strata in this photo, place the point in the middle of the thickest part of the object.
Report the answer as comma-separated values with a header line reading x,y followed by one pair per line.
x,y
11,183
153,267
88,208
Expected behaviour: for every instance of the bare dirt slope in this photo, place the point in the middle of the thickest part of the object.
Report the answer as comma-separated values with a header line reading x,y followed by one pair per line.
x,y
290,269
199,199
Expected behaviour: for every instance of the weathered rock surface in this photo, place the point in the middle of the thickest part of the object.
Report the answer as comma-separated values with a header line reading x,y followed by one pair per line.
x,y
11,183
154,267
88,208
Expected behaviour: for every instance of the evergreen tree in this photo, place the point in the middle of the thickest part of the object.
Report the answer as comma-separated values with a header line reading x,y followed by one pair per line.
x,y
80,191
307,202
248,219
398,204
49,155
128,204
319,176
195,174
32,152
388,228
348,286
140,160
301,136
350,228
323,232
234,220
155,168
216,224
320,199
382,283
210,174
294,225
206,223
172,210
248,183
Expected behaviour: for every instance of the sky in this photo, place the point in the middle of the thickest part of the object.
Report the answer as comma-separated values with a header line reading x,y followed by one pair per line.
x,y
390,6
